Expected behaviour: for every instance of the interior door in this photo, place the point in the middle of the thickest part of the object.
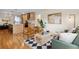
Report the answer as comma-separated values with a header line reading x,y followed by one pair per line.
x,y
72,20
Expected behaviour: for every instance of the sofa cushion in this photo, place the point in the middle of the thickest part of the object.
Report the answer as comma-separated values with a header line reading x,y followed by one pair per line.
x,y
67,37
58,44
76,41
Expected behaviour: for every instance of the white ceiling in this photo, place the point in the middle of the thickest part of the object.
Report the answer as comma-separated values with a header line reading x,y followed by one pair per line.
x,y
41,11
36,10
21,10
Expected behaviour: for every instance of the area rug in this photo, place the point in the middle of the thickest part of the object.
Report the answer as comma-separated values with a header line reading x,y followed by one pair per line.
x,y
34,45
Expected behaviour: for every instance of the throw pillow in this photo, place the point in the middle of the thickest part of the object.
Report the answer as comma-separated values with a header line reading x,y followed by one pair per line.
x,y
67,37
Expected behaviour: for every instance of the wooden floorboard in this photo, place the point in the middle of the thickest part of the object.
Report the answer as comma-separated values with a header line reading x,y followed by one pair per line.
x,y
10,41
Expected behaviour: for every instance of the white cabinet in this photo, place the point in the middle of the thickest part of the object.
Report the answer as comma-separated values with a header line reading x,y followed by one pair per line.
x,y
17,28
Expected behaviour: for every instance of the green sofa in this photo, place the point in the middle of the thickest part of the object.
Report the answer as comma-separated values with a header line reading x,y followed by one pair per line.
x,y
58,44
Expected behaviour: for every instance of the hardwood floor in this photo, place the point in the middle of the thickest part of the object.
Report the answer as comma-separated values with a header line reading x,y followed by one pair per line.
x,y
10,41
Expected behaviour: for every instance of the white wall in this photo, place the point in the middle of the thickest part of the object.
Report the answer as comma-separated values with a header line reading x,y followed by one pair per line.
x,y
77,20
44,14
5,15
66,24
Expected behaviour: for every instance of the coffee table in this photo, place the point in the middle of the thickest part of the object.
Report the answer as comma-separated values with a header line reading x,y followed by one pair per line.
x,y
42,39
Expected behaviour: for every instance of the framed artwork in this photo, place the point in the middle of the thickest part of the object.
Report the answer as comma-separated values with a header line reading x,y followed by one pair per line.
x,y
54,18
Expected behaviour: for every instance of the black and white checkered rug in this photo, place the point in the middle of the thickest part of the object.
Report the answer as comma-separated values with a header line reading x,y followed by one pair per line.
x,y
31,42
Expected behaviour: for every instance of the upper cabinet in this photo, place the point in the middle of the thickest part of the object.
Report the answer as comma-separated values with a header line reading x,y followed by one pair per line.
x,y
28,16
24,16
32,16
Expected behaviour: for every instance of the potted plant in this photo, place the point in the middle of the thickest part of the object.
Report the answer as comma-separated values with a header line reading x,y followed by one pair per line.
x,y
42,24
